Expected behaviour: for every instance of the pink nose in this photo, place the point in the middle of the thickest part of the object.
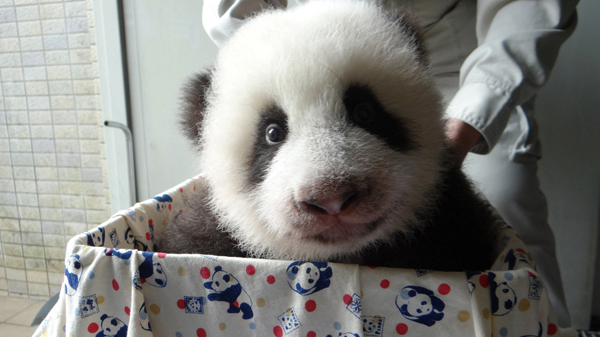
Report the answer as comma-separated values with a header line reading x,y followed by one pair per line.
x,y
332,205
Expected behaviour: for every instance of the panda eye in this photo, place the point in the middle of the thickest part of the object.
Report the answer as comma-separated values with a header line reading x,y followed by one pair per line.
x,y
77,265
363,113
274,134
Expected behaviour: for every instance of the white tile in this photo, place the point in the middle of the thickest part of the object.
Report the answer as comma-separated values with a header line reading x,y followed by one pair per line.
x,y
28,13
11,74
35,73
10,60
36,88
54,42
52,11
35,58
57,57
29,28
74,9
79,40
77,25
59,72
8,30
10,44
7,15
31,43
38,102
60,87
54,26
13,88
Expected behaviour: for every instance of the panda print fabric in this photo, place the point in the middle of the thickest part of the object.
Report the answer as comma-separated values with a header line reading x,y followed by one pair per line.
x,y
325,165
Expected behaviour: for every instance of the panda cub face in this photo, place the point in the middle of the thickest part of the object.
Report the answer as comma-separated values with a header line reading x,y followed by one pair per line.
x,y
321,131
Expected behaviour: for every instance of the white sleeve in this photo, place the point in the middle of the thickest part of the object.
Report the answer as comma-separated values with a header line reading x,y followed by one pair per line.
x,y
518,43
221,18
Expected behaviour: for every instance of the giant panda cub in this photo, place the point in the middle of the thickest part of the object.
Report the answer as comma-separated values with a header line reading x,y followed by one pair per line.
x,y
320,137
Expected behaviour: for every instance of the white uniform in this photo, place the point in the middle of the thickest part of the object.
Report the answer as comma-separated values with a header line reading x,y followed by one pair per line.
x,y
490,57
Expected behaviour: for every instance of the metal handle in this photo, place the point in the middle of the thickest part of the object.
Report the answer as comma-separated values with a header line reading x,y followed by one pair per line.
x,y
131,159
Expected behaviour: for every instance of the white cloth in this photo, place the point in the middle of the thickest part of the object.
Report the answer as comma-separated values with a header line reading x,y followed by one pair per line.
x,y
489,57
111,290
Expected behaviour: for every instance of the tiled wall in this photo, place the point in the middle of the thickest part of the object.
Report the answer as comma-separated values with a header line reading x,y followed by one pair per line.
x,y
53,181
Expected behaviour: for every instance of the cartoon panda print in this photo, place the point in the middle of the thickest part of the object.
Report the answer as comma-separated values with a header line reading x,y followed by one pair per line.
x,y
73,272
306,278
504,298
420,305
112,327
95,237
144,320
135,241
163,202
226,288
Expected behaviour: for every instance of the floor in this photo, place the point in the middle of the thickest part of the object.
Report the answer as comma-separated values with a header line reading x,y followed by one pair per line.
x,y
16,315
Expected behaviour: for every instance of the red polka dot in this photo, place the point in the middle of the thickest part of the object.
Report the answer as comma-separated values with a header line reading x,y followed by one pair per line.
x,y
205,273
115,284
384,284
250,270
311,334
127,311
147,236
310,305
180,211
278,331
270,279
181,190
402,329
552,329
444,289
170,207
484,280
517,235
200,333
531,274
143,280
236,303
194,188
372,267
520,250
161,255
150,222
181,304
347,299
92,328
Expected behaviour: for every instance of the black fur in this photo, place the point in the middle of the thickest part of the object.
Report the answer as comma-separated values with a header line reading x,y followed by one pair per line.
x,y
388,128
263,151
194,104
195,231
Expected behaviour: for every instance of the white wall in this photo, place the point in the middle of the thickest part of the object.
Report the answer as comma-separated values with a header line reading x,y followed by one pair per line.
x,y
568,112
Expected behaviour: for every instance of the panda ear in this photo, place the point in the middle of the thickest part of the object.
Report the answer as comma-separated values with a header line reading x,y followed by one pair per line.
x,y
194,104
408,23
208,285
218,268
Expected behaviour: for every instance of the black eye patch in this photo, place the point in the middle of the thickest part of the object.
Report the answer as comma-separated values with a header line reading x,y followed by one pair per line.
x,y
364,110
271,131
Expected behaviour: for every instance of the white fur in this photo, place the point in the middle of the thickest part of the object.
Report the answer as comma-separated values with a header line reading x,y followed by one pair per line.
x,y
302,60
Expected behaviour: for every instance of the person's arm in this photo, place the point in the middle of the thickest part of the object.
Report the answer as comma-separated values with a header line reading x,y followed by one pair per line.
x,y
518,46
221,18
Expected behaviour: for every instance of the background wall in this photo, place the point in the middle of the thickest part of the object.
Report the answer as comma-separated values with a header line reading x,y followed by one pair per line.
x,y
568,114
52,160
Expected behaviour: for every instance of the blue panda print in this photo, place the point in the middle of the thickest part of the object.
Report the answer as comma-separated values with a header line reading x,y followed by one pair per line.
x,y
307,278
95,238
148,271
162,201
226,288
136,241
112,327
144,321
504,298
420,305
73,272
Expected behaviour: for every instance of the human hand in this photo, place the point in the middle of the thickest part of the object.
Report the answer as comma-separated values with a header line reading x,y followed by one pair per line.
x,y
461,137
